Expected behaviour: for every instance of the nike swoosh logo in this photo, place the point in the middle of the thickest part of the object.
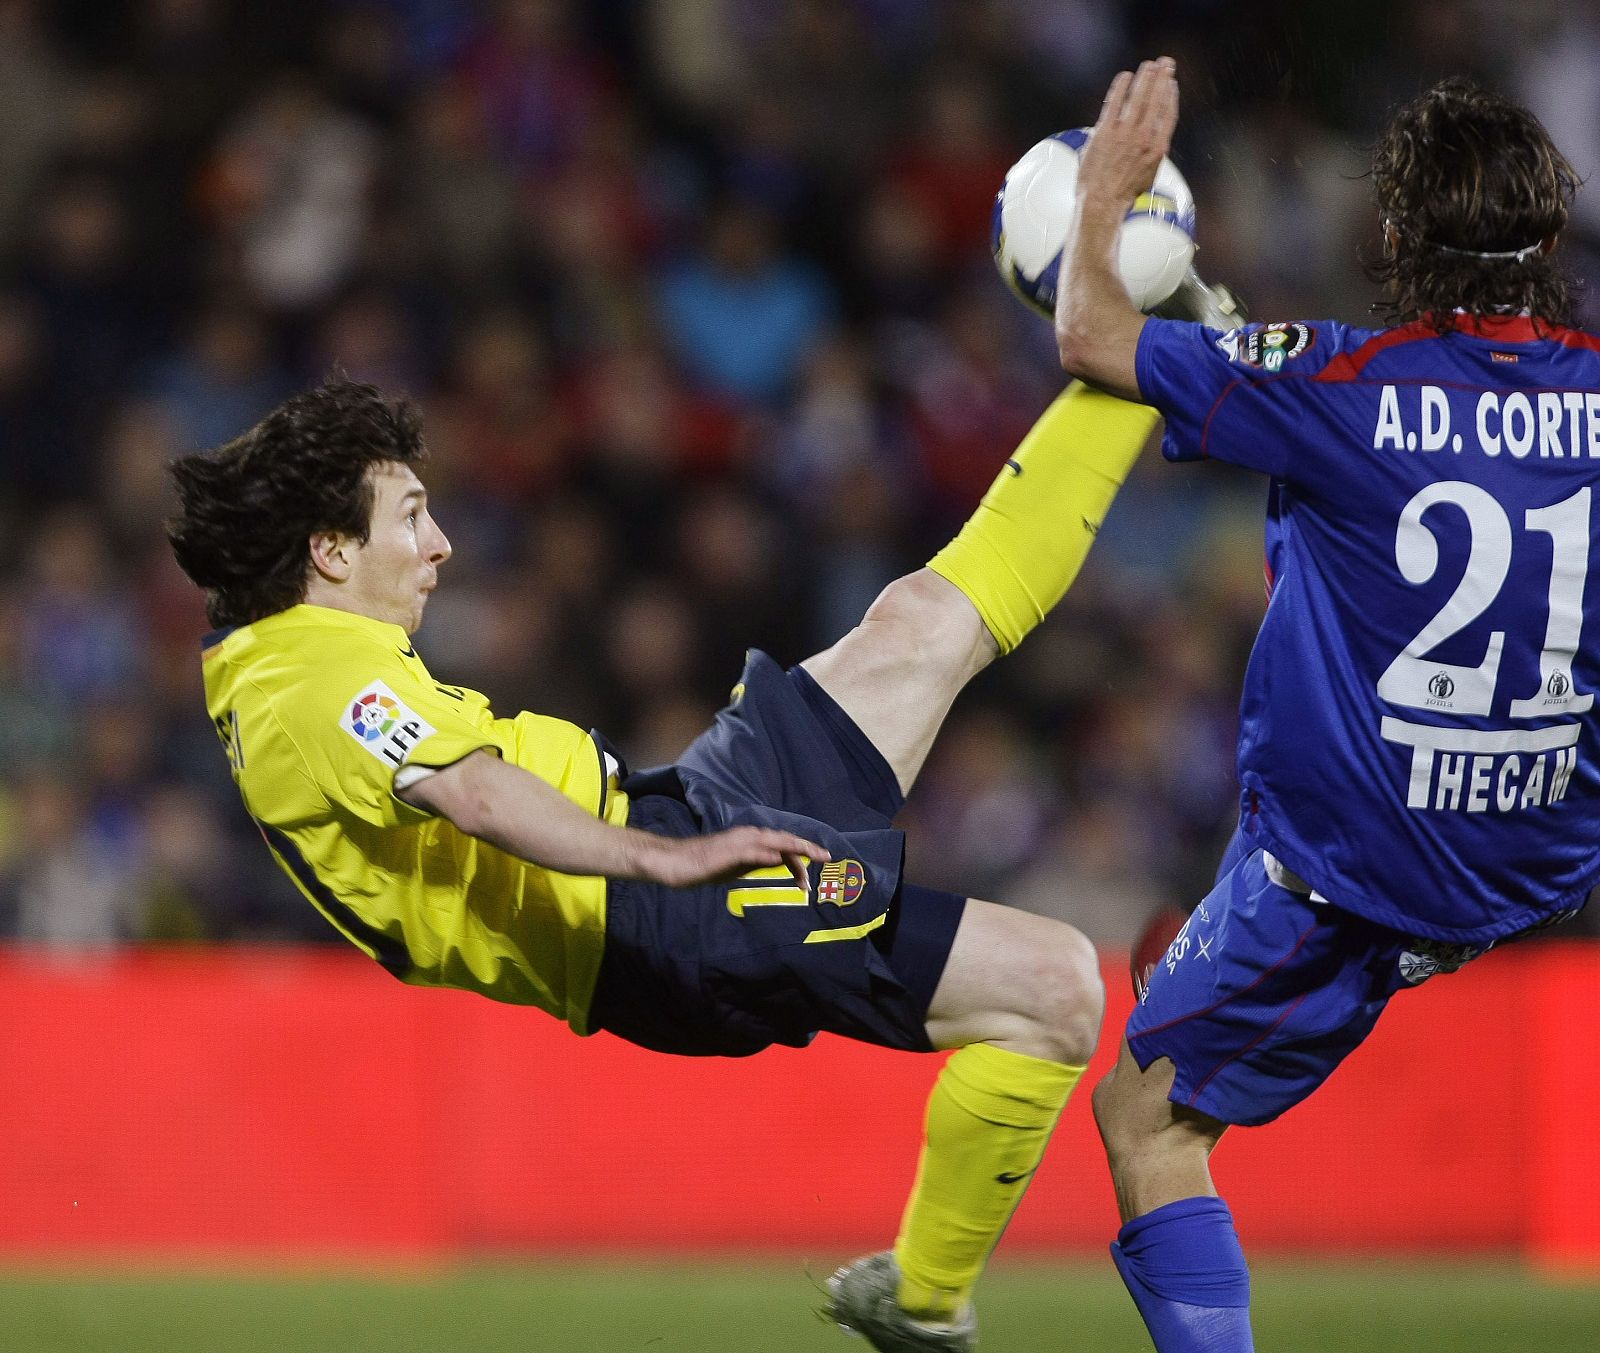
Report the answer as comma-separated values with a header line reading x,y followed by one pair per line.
x,y
407,652
1012,1178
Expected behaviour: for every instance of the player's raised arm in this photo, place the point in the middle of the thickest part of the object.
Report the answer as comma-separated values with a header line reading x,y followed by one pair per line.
x,y
1097,326
518,812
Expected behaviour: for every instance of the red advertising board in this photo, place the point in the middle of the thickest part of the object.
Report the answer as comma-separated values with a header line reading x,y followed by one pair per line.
x,y
301,1104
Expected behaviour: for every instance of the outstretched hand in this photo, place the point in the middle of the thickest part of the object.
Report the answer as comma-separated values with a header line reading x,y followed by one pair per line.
x,y
1097,326
727,855
1132,134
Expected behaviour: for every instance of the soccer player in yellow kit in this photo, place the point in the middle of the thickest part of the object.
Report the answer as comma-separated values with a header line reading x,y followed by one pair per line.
x,y
750,894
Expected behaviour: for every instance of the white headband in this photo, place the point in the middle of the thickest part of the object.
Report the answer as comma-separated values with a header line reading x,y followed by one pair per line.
x,y
1520,255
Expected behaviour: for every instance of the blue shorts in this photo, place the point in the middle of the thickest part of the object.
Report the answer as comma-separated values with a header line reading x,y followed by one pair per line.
x,y
1265,991
718,970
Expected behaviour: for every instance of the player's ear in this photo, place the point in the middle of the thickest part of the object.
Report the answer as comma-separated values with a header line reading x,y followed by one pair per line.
x,y
331,553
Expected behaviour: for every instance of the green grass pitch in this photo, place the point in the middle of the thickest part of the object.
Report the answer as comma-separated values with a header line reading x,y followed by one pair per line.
x,y
656,1307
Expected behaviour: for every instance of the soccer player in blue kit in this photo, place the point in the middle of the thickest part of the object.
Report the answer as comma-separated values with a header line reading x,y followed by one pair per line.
x,y
1418,758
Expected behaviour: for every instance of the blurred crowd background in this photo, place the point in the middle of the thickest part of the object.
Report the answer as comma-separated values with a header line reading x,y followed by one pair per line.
x,y
696,297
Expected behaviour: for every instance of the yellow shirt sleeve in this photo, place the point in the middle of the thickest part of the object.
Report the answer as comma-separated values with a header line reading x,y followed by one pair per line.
x,y
370,712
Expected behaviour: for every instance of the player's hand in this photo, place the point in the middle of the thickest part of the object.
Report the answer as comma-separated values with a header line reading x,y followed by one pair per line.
x,y
1133,133
727,855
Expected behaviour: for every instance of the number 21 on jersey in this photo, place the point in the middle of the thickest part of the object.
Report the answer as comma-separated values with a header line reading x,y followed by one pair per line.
x,y
1418,682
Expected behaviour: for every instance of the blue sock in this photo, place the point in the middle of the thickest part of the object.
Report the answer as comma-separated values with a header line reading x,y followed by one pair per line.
x,y
1187,1274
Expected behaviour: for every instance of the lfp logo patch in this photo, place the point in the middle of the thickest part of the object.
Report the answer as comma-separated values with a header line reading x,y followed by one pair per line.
x,y
840,882
380,721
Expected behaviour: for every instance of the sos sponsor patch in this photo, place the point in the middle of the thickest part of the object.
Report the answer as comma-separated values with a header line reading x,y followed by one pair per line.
x,y
383,724
1273,345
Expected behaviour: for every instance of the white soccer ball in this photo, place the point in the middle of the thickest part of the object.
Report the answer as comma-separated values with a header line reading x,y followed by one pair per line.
x,y
1033,214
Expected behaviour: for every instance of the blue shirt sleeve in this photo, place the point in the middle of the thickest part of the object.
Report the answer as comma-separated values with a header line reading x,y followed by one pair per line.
x,y
1231,396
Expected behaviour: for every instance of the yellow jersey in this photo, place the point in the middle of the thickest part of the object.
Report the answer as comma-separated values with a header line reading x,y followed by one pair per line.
x,y
318,710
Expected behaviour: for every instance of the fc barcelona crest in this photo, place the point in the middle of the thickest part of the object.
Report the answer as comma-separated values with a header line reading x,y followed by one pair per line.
x,y
840,882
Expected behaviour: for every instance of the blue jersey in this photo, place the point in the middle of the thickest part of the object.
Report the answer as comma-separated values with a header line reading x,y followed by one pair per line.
x,y
1418,734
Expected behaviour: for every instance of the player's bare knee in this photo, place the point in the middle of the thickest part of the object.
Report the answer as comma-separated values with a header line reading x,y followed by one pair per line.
x,y
921,615
1130,1105
1112,1116
1142,1130
1064,996
1103,1098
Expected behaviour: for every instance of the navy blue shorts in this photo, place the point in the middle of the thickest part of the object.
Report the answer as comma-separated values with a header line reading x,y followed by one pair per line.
x,y
729,969
1265,991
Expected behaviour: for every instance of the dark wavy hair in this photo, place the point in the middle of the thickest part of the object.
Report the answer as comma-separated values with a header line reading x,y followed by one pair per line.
x,y
248,509
1458,172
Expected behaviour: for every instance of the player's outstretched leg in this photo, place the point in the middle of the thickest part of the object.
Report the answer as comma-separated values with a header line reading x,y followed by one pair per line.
x,y
1177,1250
932,631
1021,1000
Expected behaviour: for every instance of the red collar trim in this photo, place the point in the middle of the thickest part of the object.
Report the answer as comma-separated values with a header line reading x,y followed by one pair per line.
x,y
1525,329
1507,328
1502,328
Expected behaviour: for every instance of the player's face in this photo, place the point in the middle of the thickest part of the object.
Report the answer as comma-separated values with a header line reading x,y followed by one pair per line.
x,y
395,570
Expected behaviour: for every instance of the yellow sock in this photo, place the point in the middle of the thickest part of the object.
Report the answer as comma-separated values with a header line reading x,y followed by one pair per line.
x,y
990,1117
1020,551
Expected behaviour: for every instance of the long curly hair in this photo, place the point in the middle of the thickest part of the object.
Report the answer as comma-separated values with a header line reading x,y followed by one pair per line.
x,y
248,509
1460,172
